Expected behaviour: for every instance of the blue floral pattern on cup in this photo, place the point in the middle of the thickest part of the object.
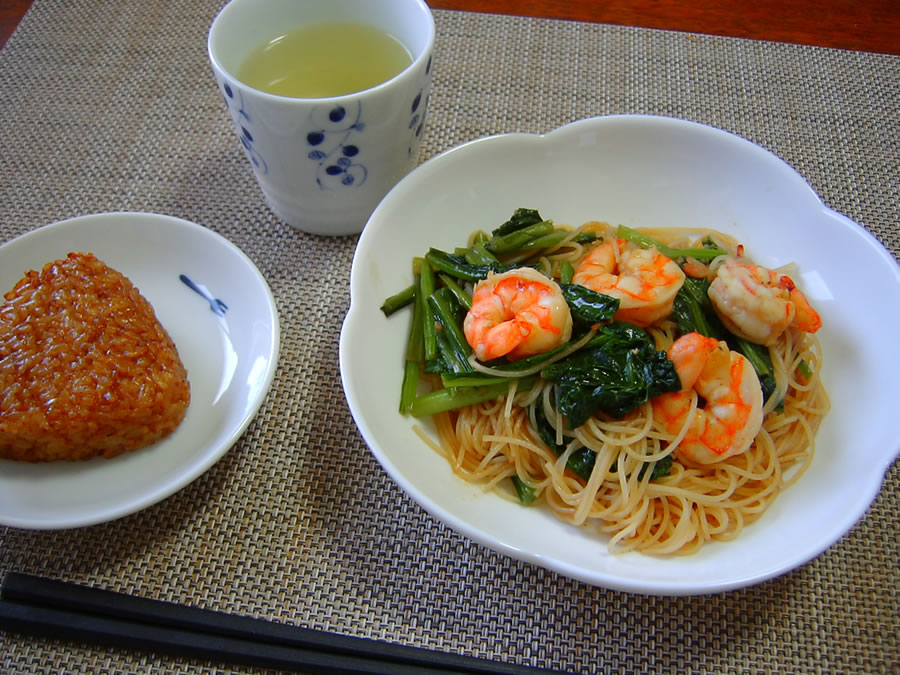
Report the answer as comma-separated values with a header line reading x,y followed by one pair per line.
x,y
333,150
242,121
418,110
335,143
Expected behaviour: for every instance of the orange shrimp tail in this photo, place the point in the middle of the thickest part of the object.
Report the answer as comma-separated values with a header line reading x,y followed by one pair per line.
x,y
696,270
805,317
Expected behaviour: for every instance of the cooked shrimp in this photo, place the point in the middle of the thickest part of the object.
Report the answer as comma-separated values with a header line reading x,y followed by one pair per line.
x,y
516,314
644,281
729,400
759,304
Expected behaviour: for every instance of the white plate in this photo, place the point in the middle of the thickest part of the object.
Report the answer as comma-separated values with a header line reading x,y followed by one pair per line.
x,y
639,171
230,357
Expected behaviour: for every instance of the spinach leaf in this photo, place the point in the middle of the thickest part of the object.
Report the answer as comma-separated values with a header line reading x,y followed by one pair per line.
x,y
525,492
617,371
587,237
762,363
661,468
458,267
693,310
589,306
521,218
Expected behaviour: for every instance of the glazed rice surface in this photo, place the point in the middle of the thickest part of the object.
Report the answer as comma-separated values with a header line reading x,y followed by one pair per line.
x,y
86,369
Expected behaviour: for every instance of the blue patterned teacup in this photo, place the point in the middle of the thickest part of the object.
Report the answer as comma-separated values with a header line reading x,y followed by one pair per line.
x,y
324,164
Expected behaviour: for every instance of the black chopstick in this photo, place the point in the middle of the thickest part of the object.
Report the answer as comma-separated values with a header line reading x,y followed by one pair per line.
x,y
62,610
64,625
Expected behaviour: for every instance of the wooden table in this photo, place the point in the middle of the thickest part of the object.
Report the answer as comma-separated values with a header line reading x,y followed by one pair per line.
x,y
864,25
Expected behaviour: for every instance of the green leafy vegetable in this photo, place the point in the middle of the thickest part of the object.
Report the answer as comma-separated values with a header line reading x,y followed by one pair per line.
x,y
450,358
661,468
409,385
693,310
458,267
617,371
524,491
477,254
471,380
520,219
761,360
462,296
450,312
399,300
442,400
426,288
552,238
515,241
451,342
415,354
589,306
587,237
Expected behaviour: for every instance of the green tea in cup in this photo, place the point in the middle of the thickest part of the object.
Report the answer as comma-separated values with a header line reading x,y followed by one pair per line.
x,y
324,60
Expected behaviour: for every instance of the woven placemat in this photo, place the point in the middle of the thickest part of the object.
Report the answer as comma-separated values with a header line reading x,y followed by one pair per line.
x,y
112,106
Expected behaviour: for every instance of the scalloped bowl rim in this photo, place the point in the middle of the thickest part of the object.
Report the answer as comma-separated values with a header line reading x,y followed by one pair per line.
x,y
383,249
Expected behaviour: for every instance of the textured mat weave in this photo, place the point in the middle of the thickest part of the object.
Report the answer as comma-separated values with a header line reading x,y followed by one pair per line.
x,y
112,106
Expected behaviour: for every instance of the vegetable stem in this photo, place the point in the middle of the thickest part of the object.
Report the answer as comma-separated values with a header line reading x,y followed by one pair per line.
x,y
453,343
515,241
462,297
440,303
409,386
456,266
646,241
471,380
415,348
399,300
544,241
415,354
452,398
477,254
426,288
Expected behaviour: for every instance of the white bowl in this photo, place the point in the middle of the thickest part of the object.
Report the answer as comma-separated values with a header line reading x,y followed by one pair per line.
x,y
230,351
638,171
